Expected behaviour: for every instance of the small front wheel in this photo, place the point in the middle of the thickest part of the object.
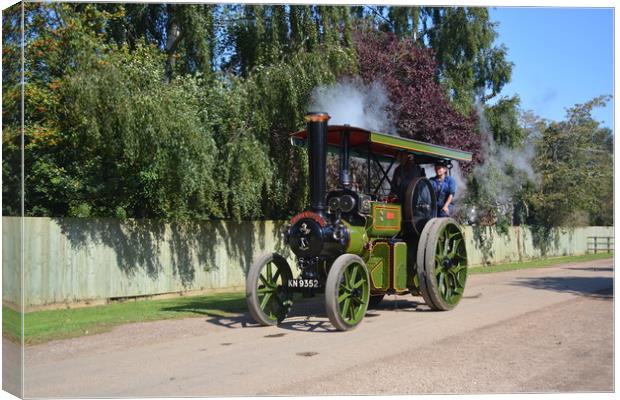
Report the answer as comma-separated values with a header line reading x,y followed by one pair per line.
x,y
347,292
268,298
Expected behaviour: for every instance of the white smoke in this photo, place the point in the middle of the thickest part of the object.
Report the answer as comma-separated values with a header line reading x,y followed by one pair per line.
x,y
352,102
505,171
461,183
519,160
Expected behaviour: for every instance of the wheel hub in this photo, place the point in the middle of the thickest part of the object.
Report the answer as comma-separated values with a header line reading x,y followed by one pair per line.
x,y
447,263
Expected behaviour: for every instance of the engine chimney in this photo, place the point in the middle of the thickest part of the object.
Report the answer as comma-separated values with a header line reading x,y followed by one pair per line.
x,y
316,123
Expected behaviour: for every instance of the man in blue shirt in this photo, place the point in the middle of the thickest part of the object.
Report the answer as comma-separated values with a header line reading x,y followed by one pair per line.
x,y
445,188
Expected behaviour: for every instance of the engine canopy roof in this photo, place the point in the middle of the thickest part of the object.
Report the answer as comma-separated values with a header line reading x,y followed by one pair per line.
x,y
363,141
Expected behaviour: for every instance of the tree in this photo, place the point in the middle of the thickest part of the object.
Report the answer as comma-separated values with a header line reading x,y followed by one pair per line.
x,y
503,120
58,41
263,35
134,145
575,162
420,108
470,66
185,33
298,48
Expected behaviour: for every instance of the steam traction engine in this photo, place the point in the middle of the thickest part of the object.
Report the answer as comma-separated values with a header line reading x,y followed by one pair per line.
x,y
357,246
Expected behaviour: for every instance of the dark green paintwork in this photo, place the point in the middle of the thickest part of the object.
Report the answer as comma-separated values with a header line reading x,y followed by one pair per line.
x,y
357,239
400,266
378,266
386,219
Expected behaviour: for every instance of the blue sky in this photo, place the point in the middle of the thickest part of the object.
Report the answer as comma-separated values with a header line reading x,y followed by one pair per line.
x,y
562,56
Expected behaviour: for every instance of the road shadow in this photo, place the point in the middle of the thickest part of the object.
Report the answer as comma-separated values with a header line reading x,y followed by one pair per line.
x,y
232,322
306,315
591,269
398,303
588,286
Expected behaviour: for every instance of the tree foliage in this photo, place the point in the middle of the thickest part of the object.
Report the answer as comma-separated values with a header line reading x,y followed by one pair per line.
x,y
419,105
503,120
184,111
470,66
185,33
112,130
575,160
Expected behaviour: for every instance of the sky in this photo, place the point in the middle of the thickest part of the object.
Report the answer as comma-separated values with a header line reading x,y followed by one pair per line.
x,y
561,56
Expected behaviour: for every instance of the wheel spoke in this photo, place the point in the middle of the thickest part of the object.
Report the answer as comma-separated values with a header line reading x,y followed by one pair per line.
x,y
462,258
440,246
438,260
342,297
461,277
265,281
353,275
346,306
449,286
359,283
269,272
458,268
455,247
453,234
352,310
441,285
346,276
265,300
264,290
276,276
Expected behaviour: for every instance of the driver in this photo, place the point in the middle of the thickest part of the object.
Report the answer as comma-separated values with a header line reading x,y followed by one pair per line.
x,y
445,188
406,171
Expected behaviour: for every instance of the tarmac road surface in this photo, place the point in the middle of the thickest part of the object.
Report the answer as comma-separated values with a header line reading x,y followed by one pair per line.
x,y
536,330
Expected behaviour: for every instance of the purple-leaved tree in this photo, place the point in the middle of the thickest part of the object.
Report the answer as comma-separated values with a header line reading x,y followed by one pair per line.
x,y
420,107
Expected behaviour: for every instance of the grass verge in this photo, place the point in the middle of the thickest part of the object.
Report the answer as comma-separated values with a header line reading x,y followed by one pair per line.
x,y
538,263
43,326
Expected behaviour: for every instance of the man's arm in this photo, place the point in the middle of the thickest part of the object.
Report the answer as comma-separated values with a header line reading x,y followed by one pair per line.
x,y
447,203
451,192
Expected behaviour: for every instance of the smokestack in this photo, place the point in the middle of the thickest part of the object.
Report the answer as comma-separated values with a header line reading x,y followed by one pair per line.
x,y
316,123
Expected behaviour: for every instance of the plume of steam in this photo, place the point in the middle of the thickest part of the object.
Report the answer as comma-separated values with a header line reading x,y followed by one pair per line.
x,y
502,175
350,101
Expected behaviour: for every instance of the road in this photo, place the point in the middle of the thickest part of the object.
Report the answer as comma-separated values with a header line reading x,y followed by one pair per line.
x,y
536,330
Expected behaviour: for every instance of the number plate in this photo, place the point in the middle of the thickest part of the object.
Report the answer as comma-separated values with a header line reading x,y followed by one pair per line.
x,y
304,283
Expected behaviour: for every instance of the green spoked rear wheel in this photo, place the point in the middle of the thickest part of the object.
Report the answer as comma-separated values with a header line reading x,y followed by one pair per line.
x,y
269,300
347,292
442,264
